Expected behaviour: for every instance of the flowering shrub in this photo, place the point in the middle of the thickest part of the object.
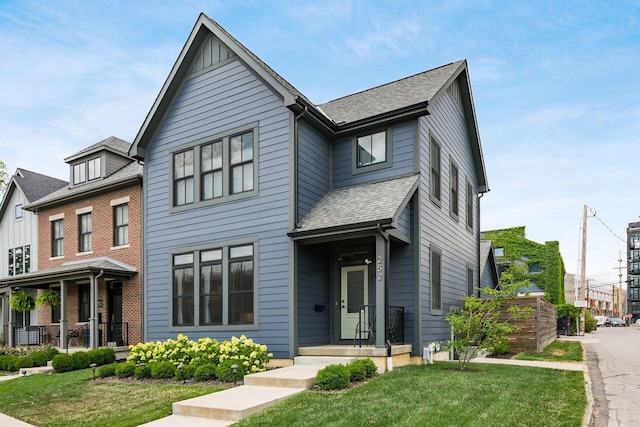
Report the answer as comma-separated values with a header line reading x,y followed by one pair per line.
x,y
206,351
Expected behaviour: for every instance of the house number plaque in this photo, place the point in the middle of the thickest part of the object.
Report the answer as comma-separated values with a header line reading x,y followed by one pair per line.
x,y
379,267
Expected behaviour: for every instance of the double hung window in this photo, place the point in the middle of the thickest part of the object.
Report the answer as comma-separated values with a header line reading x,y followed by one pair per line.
x,y
454,206
57,238
434,191
214,287
84,232
19,260
121,225
436,280
216,169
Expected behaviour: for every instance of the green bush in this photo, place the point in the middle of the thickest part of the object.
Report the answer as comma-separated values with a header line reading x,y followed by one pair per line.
x,y
96,356
108,355
225,373
24,362
590,322
333,377
125,369
186,372
162,370
63,363
51,352
4,362
142,371
370,368
106,370
356,371
39,358
205,372
80,360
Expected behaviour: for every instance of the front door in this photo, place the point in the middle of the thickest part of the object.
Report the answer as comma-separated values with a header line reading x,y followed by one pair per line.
x,y
114,326
353,294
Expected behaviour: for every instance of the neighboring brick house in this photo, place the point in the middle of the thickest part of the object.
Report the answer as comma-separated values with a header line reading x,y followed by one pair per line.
x,y
19,248
90,250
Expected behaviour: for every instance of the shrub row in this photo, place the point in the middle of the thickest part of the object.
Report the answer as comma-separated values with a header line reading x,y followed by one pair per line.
x,y
339,376
250,357
82,360
26,359
164,370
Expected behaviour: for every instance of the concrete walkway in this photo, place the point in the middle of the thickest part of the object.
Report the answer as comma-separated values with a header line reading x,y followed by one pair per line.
x,y
267,388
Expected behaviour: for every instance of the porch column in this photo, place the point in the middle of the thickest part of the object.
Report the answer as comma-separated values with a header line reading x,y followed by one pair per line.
x,y
10,339
93,313
381,265
63,315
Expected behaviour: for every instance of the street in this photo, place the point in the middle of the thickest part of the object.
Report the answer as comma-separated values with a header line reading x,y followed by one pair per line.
x,y
614,367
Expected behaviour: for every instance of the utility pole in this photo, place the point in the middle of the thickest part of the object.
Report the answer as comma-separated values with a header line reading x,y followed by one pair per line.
x,y
583,268
617,292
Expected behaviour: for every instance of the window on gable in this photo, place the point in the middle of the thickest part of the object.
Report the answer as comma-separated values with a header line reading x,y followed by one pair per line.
x,y
183,178
84,232
498,252
454,207
94,170
241,162
121,225
434,192
371,149
18,211
220,293
57,238
225,167
436,280
470,200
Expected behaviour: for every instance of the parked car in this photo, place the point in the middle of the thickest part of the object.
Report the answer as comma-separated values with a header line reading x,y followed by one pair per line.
x,y
600,320
616,321
637,321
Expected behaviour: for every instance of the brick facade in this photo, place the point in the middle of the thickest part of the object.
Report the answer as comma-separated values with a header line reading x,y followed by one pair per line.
x,y
102,242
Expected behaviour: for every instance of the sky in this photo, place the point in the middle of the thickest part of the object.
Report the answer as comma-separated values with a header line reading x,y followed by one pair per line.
x,y
555,87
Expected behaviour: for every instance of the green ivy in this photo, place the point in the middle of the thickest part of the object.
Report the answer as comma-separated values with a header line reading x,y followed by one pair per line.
x,y
517,248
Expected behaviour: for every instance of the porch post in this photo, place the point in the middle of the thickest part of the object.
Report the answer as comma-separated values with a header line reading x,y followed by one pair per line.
x,y
10,339
93,313
63,315
381,265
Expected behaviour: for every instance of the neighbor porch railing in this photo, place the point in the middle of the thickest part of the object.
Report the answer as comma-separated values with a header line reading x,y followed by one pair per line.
x,y
109,334
365,330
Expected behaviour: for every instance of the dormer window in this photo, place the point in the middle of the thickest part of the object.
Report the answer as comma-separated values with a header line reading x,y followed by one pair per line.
x,y
86,171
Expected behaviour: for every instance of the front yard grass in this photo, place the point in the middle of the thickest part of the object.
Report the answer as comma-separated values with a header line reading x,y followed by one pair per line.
x,y
441,395
557,351
72,399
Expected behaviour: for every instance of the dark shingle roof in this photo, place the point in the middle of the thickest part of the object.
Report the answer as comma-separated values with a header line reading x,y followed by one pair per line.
x,y
392,96
35,185
371,203
112,143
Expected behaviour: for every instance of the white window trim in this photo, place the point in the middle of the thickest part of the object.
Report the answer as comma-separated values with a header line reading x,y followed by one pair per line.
x,y
85,210
120,201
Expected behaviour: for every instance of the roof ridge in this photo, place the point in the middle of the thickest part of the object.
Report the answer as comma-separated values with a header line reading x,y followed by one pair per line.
x,y
391,82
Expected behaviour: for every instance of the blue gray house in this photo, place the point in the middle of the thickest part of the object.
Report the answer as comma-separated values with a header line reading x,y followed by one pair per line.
x,y
305,225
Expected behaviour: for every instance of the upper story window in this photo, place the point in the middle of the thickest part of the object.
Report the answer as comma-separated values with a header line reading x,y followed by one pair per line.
x,y
84,232
434,192
372,149
470,199
535,267
19,260
18,211
57,238
454,207
216,169
87,171
498,252
121,225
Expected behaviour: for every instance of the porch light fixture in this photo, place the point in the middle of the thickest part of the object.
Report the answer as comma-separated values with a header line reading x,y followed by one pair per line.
x,y
93,368
181,369
235,373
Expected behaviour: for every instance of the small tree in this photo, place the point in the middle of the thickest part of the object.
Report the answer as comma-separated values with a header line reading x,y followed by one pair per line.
x,y
477,326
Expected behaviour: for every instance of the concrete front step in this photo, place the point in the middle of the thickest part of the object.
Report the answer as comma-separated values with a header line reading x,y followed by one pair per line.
x,y
37,370
235,403
181,420
297,376
323,360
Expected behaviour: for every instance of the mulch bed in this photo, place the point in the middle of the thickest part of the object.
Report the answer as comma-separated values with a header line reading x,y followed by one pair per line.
x,y
168,381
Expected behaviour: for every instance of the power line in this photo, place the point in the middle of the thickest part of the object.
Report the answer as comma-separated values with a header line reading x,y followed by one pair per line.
x,y
607,227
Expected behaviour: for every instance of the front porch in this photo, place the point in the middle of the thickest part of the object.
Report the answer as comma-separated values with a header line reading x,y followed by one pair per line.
x,y
109,335
400,354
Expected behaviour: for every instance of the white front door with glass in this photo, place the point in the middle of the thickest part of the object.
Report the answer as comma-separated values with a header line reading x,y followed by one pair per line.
x,y
353,294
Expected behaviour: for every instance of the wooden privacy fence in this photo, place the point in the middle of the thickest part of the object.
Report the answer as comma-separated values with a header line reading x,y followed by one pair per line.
x,y
538,330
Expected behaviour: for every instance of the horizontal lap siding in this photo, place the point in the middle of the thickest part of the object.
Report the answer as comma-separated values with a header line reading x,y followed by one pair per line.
x,y
314,168
221,100
437,227
403,137
313,288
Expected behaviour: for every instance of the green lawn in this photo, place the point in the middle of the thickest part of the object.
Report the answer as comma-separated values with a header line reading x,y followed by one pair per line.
x,y
441,395
558,351
72,399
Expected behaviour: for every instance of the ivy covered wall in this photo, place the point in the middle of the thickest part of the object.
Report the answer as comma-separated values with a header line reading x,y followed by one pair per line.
x,y
544,264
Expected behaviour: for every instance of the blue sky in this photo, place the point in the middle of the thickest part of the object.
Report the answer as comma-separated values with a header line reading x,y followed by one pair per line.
x,y
555,85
